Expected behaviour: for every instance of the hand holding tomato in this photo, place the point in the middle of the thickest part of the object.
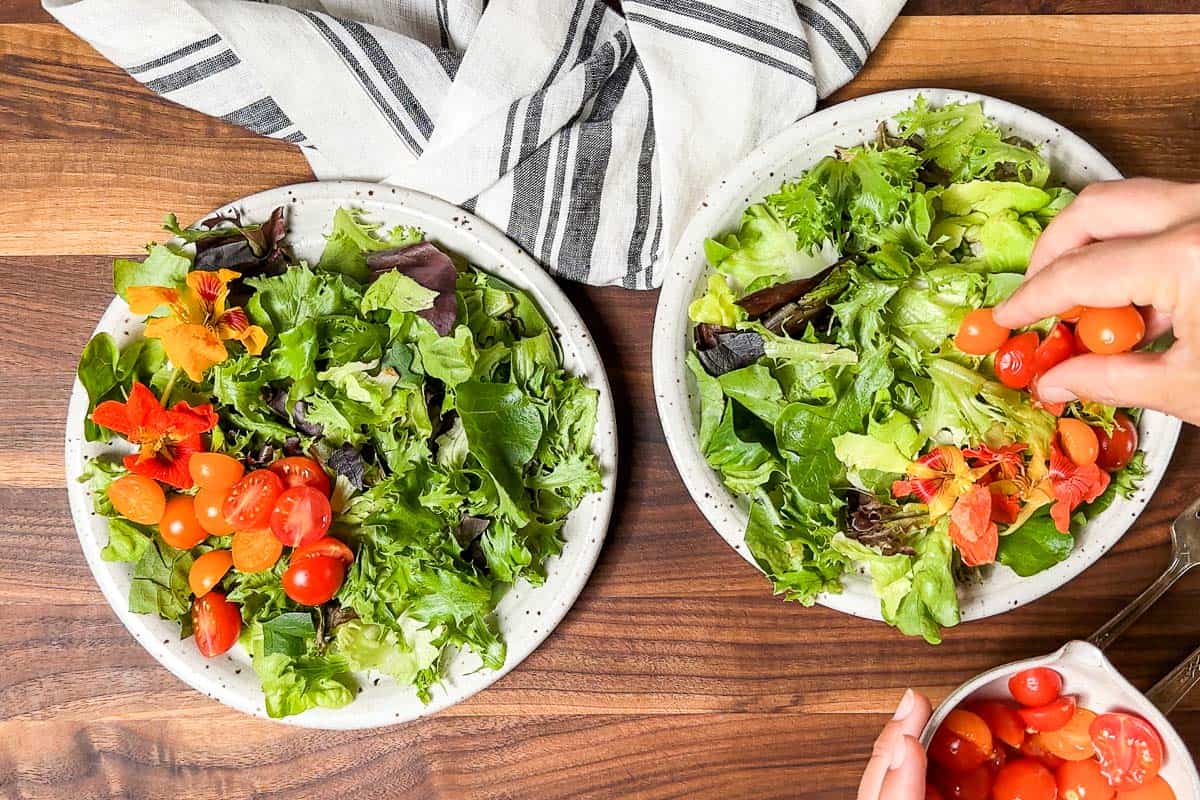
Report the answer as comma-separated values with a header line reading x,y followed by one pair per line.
x,y
896,770
1129,253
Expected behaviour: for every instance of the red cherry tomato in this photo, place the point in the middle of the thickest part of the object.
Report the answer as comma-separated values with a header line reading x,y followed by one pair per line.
x,y
301,515
1078,440
1014,360
978,334
1082,780
1002,718
1025,779
251,499
1117,448
1035,687
216,624
314,580
1051,716
1057,347
932,793
1111,330
301,471
1157,789
1073,741
179,526
955,753
1129,749
975,784
325,546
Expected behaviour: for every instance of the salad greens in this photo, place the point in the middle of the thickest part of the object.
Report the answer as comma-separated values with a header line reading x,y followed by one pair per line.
x,y
832,396
449,440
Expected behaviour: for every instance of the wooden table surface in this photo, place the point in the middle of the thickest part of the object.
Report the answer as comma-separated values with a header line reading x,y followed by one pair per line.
x,y
676,674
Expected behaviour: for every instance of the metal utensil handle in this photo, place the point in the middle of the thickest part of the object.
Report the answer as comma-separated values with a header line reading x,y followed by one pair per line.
x,y
1128,615
1175,685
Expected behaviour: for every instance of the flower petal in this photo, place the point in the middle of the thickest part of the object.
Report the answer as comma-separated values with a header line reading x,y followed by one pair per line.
x,y
113,415
144,299
194,348
971,527
234,324
185,421
211,288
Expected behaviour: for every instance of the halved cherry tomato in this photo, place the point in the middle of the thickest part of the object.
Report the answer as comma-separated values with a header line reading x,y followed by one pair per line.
x,y
314,580
1051,716
970,727
1073,741
1111,330
1002,718
1057,347
1078,440
325,546
301,515
255,550
179,526
207,571
1157,789
1071,314
1117,448
210,510
1129,749
216,624
1032,748
932,793
975,784
1025,779
138,499
215,470
1082,780
1035,687
978,333
251,499
301,471
1014,360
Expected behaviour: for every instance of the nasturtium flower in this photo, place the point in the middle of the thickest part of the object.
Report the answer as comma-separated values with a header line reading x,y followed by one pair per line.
x,y
972,529
1072,484
938,479
166,438
198,325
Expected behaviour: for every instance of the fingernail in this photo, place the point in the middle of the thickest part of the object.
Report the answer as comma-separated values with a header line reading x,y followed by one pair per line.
x,y
906,705
899,752
1056,394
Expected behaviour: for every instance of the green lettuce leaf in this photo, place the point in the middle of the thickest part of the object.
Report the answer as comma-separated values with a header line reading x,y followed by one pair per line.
x,y
163,266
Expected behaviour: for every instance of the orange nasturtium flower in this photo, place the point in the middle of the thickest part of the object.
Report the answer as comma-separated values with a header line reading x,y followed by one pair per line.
x,y
195,332
166,438
939,478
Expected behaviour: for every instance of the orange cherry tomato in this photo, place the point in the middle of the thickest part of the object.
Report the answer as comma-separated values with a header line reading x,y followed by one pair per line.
x,y
1035,687
179,526
1032,748
1157,789
1117,448
255,550
1072,314
978,333
138,499
301,471
962,743
1014,364
1073,741
1051,716
1001,716
210,510
216,624
251,499
314,580
1130,751
215,470
1078,440
1082,780
325,546
1025,779
207,571
301,515
1111,330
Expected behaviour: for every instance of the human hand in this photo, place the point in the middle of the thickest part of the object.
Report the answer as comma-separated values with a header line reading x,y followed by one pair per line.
x,y
1133,241
896,770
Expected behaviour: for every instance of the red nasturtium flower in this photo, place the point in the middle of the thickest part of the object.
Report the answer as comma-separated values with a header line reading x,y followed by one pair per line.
x,y
972,529
1070,485
1004,481
166,438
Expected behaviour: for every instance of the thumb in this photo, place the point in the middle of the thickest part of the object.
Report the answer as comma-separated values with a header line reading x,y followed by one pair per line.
x,y
1142,380
906,778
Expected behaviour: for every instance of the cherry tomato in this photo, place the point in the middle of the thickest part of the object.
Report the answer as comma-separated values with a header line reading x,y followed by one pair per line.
x,y
1117,448
1082,780
1129,749
1014,360
1057,347
314,580
207,571
970,727
1072,314
215,470
1073,741
255,550
216,624
1033,749
1078,440
1157,789
325,546
301,515
138,499
1111,330
1035,687
978,334
1001,716
251,499
210,510
932,793
179,526
954,753
1051,716
1025,779
301,471
975,784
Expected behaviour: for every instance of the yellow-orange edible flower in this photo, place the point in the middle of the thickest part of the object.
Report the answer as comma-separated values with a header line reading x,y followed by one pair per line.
x,y
195,332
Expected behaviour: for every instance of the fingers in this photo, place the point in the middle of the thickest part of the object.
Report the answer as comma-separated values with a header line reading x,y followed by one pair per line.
x,y
1144,380
891,747
906,779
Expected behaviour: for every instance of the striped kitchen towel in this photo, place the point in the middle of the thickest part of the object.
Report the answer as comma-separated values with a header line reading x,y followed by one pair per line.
x,y
587,135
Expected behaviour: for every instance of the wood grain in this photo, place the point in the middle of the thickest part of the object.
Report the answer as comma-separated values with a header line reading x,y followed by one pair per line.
x,y
676,674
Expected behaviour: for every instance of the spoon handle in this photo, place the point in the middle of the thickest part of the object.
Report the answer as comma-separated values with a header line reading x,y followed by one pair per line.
x,y
1128,615
1175,685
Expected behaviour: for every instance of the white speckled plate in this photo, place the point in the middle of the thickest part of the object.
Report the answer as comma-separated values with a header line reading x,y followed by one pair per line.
x,y
526,615
1074,162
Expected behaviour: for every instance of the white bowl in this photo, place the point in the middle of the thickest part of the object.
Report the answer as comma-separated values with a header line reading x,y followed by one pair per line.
x,y
1073,161
1099,687
526,614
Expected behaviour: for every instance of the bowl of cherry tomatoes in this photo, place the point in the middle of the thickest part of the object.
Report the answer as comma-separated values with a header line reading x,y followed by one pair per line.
x,y
1066,726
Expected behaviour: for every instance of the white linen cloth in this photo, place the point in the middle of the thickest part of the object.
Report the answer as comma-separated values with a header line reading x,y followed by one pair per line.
x,y
588,136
